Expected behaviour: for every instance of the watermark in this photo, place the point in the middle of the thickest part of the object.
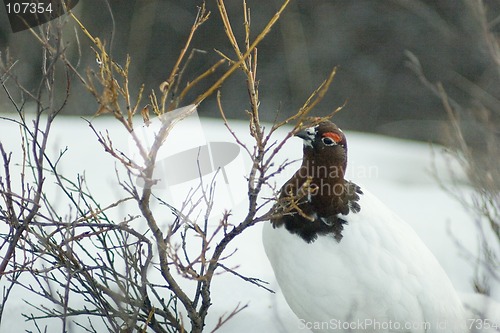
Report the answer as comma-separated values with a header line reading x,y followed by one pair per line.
x,y
320,187
368,324
311,169
26,14
192,174
474,324
362,172
354,171
376,325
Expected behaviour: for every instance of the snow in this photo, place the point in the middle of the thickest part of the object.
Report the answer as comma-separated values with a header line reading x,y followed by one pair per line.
x,y
397,171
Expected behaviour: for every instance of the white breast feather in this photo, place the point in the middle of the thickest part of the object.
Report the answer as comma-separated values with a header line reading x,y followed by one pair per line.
x,y
380,270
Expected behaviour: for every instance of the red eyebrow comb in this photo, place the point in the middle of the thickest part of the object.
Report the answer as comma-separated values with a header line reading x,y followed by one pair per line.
x,y
334,136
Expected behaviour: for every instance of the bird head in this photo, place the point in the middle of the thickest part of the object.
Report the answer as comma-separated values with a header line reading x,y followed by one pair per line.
x,y
324,144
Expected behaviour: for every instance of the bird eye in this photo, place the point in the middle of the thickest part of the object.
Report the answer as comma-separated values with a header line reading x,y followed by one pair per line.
x,y
328,141
310,131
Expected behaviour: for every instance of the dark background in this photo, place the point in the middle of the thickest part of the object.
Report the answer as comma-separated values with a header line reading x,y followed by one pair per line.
x,y
366,39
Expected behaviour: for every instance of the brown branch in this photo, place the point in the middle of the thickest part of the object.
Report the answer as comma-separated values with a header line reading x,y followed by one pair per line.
x,y
255,281
244,56
193,83
223,320
316,97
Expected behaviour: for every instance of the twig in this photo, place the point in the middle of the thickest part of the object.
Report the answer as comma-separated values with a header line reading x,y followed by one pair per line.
x,y
258,282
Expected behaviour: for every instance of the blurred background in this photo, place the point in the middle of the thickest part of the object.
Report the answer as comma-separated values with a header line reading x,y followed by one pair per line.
x,y
367,39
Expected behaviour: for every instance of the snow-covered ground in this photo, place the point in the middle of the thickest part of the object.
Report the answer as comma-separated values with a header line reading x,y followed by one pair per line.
x,y
397,171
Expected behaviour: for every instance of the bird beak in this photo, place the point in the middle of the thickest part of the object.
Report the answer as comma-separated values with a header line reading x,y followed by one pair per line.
x,y
303,135
307,137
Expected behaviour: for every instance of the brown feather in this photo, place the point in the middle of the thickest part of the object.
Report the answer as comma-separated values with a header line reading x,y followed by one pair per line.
x,y
312,201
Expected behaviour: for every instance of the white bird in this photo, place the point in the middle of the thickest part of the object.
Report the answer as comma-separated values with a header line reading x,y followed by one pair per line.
x,y
344,261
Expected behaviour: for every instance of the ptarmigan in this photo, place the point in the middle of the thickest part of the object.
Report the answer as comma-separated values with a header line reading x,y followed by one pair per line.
x,y
344,261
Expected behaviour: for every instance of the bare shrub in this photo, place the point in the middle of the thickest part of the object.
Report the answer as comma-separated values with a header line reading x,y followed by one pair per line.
x,y
84,264
473,139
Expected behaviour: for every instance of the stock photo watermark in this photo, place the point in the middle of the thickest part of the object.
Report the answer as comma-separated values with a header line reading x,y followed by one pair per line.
x,y
26,14
375,325
191,173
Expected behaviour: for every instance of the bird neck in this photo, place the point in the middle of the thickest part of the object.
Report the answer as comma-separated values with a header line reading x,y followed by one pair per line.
x,y
319,166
